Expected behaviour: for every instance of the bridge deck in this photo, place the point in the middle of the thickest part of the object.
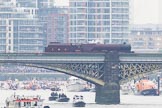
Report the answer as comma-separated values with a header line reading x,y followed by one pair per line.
x,y
54,58
78,57
141,57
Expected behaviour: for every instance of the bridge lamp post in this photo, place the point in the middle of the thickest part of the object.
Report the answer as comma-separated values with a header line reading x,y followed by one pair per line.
x,y
158,85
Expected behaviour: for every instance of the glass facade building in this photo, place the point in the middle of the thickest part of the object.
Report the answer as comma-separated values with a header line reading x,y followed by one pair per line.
x,y
101,21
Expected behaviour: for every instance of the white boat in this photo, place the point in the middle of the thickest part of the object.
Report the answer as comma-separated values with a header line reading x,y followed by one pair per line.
x,y
76,85
78,101
16,101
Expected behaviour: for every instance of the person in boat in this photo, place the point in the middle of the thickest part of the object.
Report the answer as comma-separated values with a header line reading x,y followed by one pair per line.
x,y
19,104
62,95
74,98
7,102
59,95
54,94
81,97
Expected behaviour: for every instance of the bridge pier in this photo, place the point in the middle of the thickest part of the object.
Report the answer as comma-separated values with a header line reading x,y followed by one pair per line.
x,y
110,92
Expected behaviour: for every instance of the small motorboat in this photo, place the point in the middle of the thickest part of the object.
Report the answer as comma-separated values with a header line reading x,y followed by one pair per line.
x,y
55,88
46,107
62,98
78,101
53,96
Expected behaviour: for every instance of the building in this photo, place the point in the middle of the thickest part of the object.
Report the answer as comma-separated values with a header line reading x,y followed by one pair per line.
x,y
101,21
31,3
55,24
26,3
146,38
20,31
57,27
45,3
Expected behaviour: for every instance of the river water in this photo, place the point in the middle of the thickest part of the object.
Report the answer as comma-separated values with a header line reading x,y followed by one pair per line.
x,y
127,101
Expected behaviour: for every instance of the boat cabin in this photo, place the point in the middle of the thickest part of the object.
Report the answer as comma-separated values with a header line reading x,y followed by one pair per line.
x,y
78,98
24,102
78,101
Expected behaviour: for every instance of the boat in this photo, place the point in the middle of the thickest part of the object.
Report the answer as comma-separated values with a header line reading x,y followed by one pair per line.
x,y
53,96
146,87
75,84
17,101
62,98
55,88
78,101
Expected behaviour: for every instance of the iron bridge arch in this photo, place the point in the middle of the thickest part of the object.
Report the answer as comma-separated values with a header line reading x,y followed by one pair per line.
x,y
94,72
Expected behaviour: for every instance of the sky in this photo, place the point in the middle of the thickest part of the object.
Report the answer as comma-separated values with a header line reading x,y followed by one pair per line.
x,y
144,11
61,2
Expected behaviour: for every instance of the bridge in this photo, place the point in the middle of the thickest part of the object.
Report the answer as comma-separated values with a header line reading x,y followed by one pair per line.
x,y
105,70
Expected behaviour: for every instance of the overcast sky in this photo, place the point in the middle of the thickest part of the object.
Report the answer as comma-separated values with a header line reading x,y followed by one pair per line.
x,y
62,2
145,11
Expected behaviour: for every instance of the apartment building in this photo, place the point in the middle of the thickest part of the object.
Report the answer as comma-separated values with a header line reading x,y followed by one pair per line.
x,y
20,31
101,21
146,38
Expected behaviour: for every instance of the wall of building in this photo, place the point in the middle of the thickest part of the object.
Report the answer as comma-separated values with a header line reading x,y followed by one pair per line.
x,y
20,30
57,28
104,20
146,38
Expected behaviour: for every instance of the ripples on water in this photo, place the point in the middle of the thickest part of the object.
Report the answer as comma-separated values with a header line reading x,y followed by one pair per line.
x,y
127,101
